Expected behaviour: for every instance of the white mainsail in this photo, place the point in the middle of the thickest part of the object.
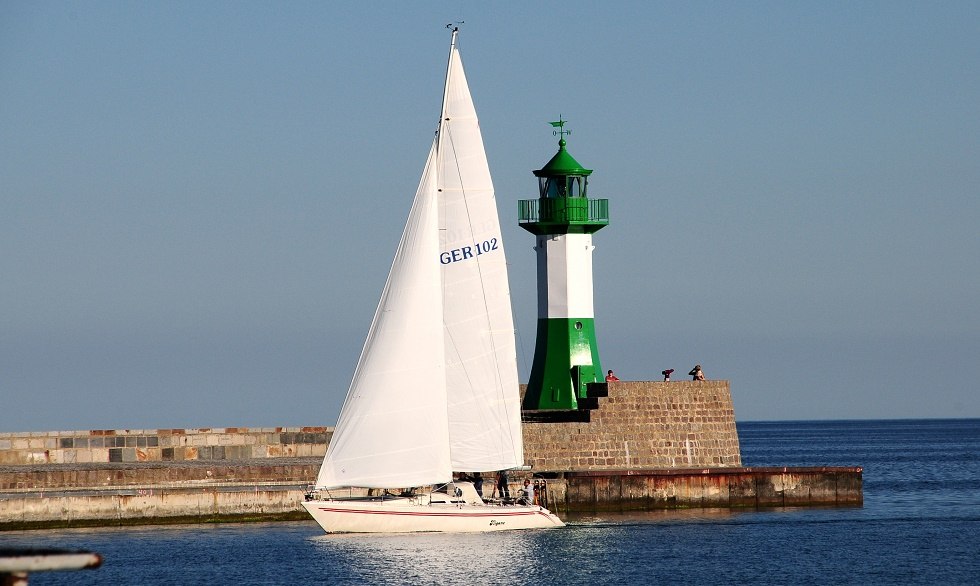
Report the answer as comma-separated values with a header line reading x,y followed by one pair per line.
x,y
436,388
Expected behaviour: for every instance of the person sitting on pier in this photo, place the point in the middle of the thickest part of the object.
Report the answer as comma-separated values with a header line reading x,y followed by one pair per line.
x,y
610,377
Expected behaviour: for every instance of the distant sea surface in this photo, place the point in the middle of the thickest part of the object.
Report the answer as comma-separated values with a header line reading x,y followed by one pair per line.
x,y
920,524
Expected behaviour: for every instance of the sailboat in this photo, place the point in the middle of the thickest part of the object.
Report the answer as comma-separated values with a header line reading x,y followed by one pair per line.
x,y
435,389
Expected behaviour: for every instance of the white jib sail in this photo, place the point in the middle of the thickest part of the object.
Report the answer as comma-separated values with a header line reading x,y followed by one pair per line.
x,y
436,388
392,430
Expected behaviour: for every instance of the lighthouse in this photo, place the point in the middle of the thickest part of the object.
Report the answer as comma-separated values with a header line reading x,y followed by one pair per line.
x,y
563,219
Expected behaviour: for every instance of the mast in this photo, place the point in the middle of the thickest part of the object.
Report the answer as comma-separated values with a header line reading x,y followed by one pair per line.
x,y
563,219
445,86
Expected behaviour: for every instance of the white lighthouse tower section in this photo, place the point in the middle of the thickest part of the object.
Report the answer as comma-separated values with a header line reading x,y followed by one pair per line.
x,y
565,266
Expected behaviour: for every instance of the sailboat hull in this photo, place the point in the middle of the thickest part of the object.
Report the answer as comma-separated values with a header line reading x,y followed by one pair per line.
x,y
408,515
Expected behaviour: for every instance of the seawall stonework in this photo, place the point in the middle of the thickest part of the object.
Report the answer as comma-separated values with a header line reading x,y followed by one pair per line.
x,y
162,445
642,425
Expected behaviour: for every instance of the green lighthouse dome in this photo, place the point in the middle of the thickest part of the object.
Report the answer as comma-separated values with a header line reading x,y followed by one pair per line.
x,y
563,163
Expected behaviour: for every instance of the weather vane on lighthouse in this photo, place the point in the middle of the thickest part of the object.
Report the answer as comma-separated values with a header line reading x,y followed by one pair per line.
x,y
560,125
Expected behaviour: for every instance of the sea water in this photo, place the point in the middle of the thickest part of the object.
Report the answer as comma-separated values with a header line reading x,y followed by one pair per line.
x,y
920,524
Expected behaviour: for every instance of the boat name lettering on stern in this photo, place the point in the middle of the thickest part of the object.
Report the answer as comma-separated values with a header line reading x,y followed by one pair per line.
x,y
495,523
467,252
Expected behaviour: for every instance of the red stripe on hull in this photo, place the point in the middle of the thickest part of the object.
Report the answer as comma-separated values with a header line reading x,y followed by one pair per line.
x,y
411,514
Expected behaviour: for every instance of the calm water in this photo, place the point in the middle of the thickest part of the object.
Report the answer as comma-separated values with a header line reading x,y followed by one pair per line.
x,y
920,524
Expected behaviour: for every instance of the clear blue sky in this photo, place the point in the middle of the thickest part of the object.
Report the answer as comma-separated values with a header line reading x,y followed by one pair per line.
x,y
199,201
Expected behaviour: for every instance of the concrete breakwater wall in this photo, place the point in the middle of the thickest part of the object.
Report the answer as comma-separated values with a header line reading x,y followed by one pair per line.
x,y
62,495
632,446
151,506
646,490
121,495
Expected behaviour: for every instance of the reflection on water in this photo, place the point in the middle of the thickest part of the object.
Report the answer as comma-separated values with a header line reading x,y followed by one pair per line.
x,y
660,516
431,557
588,550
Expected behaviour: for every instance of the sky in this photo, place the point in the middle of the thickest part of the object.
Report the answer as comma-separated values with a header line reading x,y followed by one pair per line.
x,y
200,201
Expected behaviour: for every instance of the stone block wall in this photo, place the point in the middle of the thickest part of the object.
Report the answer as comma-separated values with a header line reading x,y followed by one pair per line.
x,y
638,426
642,425
153,475
162,445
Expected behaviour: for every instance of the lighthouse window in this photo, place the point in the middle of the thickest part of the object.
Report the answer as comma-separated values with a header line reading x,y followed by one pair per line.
x,y
578,325
574,186
557,187
552,186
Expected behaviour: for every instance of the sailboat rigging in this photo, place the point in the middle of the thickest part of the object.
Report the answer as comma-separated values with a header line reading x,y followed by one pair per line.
x,y
436,388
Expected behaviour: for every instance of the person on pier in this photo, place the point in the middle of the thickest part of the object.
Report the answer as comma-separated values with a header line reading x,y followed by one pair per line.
x,y
696,373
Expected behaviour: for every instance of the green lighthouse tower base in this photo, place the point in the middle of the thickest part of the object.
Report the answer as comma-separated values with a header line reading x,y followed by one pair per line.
x,y
566,359
563,219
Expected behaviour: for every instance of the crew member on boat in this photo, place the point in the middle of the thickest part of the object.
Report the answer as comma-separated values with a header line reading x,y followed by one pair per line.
x,y
528,492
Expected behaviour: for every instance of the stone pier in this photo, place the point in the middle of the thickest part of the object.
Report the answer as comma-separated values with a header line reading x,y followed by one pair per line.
x,y
639,425
631,446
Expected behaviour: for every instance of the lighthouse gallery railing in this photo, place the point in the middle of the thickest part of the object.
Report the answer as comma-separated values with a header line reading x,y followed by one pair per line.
x,y
563,210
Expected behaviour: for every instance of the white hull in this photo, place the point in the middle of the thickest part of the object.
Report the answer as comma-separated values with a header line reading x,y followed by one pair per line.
x,y
410,515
